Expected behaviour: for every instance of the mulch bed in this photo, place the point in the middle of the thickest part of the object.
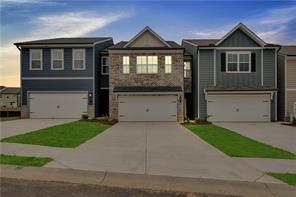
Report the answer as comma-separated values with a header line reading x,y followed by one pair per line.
x,y
289,124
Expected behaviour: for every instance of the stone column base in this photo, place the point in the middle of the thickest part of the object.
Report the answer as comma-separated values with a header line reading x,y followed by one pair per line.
x,y
24,111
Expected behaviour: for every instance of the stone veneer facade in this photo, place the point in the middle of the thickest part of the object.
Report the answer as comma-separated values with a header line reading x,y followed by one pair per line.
x,y
117,78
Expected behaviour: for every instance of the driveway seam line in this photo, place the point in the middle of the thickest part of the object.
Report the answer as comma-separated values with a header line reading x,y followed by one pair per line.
x,y
268,189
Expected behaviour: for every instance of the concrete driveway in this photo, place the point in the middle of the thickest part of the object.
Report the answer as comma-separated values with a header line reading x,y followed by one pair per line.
x,y
272,133
157,149
20,126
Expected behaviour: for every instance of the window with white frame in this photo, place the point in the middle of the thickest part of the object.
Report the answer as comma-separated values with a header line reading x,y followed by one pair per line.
x,y
105,65
57,59
147,64
187,70
78,59
168,64
125,65
238,62
35,59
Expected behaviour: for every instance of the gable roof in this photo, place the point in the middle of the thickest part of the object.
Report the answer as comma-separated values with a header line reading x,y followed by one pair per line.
x,y
12,90
247,31
147,28
288,50
82,40
121,45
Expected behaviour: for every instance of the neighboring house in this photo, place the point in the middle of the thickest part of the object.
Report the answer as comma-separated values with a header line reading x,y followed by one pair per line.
x,y
234,78
146,80
9,98
62,77
287,82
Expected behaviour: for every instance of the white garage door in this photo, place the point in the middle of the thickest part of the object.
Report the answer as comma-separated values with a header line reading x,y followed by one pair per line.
x,y
57,105
244,108
147,108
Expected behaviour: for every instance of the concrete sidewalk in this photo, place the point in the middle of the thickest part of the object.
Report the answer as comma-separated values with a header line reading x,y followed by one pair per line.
x,y
272,133
157,148
122,180
21,126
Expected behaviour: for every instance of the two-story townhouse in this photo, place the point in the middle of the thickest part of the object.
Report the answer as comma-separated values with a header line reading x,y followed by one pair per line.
x,y
287,82
234,78
60,77
146,79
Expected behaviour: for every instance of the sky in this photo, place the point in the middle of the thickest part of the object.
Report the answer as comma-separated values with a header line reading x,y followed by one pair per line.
x,y
24,20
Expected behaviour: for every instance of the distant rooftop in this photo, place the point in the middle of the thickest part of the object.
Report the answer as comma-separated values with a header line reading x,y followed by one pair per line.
x,y
80,40
121,45
12,90
288,50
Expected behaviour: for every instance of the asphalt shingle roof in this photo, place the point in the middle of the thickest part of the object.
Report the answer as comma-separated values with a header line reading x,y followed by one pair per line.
x,y
120,45
10,90
80,40
288,50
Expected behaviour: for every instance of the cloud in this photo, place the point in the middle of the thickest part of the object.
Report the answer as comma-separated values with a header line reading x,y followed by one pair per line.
x,y
71,24
275,25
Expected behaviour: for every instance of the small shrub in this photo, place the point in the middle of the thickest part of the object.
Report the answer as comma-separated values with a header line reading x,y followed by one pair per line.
x,y
187,119
196,119
84,117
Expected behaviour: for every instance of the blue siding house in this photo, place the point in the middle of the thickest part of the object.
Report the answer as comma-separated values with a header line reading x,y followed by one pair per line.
x,y
60,77
234,78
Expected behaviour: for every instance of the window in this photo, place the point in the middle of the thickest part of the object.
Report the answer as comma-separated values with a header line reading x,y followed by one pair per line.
x,y
125,64
105,66
187,70
147,64
57,59
238,62
78,59
168,64
36,59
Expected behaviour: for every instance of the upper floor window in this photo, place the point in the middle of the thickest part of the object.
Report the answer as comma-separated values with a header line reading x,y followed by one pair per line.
x,y
125,64
187,70
105,65
36,59
238,62
147,64
57,59
168,64
78,59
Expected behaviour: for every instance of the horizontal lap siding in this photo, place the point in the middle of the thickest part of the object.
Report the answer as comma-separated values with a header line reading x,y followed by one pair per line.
x,y
55,85
238,79
68,62
206,68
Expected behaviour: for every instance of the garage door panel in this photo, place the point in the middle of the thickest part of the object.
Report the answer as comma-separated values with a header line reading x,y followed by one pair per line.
x,y
57,105
238,108
147,108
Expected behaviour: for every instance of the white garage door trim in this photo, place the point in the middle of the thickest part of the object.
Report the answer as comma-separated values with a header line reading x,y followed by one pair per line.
x,y
61,114
147,107
259,102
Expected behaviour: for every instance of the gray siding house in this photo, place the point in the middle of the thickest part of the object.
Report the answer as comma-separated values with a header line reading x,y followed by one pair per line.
x,y
287,82
60,77
234,78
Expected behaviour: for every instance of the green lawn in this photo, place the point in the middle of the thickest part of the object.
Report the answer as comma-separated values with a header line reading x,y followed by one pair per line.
x,y
24,161
67,135
236,145
288,178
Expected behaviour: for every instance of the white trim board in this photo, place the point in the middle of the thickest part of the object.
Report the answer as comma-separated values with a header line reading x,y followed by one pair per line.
x,y
55,78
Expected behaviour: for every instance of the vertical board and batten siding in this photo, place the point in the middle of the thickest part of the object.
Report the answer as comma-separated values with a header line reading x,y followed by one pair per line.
x,y
56,85
225,79
206,68
269,75
101,81
281,87
68,62
192,50
269,68
238,39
